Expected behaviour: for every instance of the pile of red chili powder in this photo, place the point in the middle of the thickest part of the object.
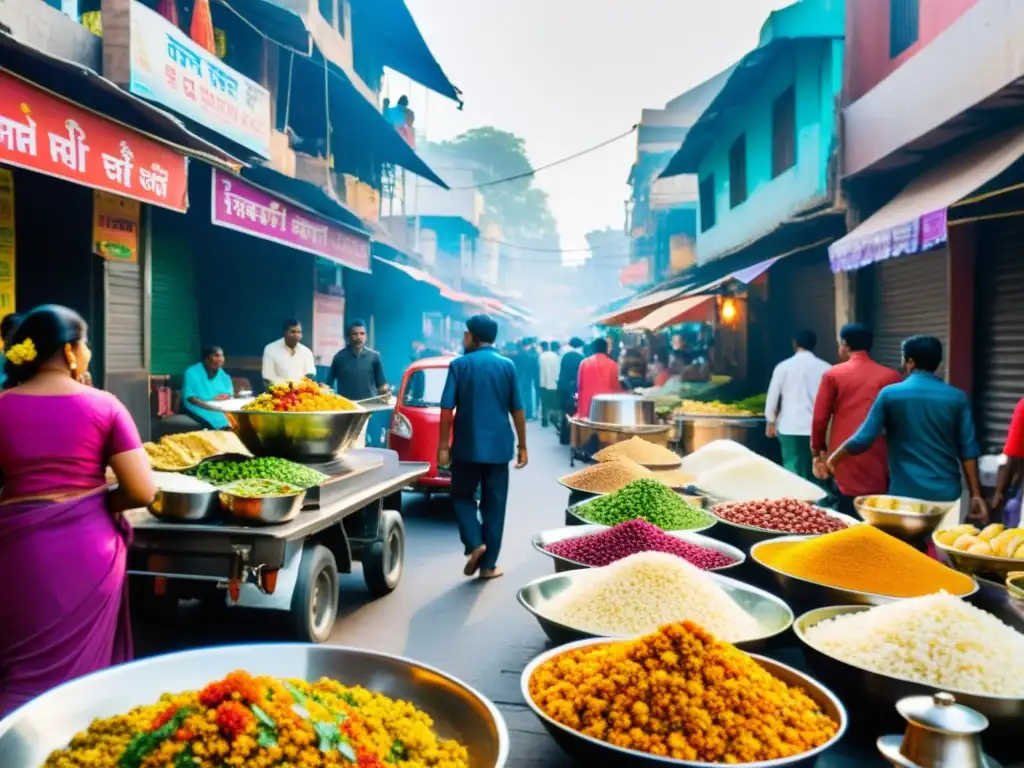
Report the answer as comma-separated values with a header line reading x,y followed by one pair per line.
x,y
631,537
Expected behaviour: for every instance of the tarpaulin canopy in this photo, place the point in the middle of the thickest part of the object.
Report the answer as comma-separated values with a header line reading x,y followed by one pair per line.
x,y
690,309
640,306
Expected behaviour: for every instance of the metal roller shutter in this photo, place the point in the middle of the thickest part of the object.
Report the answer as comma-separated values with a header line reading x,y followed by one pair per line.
x,y
802,296
911,297
999,348
124,350
175,336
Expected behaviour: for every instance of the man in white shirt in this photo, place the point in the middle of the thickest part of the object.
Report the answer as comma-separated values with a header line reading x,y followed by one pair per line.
x,y
288,359
550,362
796,381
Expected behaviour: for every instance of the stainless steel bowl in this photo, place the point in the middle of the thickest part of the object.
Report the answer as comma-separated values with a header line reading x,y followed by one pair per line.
x,y
746,536
771,613
804,594
1003,712
303,437
623,410
908,526
574,512
593,752
541,540
185,507
29,734
988,566
262,510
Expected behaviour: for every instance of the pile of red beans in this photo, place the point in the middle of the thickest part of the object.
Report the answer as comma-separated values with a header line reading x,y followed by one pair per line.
x,y
785,515
629,538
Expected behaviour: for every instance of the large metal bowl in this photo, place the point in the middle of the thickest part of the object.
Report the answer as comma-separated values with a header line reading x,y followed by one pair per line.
x,y
622,409
262,510
804,594
988,566
771,613
175,506
573,510
884,690
302,437
593,752
29,734
746,536
541,540
908,526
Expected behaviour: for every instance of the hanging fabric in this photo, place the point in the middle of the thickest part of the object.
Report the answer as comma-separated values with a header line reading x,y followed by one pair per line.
x,y
201,29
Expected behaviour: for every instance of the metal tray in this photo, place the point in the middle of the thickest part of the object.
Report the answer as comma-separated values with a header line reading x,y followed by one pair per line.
x,y
907,526
544,538
31,733
772,613
592,752
262,510
987,566
572,511
175,506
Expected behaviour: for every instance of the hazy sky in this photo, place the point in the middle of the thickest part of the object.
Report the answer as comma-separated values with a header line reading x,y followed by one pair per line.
x,y
568,74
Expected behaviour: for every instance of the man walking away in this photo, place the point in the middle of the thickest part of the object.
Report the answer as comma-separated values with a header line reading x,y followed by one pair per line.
x,y
357,371
847,392
929,429
549,367
598,375
527,369
288,359
796,381
568,372
483,387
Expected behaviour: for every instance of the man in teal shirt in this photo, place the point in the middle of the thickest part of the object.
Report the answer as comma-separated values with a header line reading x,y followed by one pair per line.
x,y
207,382
929,430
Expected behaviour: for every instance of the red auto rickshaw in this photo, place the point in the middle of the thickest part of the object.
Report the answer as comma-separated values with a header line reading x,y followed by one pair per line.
x,y
417,418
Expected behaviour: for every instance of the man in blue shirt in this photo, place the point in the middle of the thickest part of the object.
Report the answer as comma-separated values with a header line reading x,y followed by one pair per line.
x,y
483,386
929,430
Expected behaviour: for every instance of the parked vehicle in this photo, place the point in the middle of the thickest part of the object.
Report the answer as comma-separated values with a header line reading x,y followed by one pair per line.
x,y
417,418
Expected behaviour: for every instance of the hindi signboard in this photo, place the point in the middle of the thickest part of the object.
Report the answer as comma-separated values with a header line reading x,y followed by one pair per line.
x,y
238,205
169,68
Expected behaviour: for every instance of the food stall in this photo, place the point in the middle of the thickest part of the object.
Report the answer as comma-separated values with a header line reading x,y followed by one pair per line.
x,y
274,533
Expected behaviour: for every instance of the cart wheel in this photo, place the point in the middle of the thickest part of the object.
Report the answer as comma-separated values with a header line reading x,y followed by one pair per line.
x,y
315,600
384,560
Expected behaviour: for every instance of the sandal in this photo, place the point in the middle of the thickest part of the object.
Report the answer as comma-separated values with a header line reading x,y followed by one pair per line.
x,y
492,573
473,563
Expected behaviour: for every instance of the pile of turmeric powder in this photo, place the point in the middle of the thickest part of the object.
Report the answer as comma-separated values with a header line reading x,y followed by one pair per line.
x,y
864,559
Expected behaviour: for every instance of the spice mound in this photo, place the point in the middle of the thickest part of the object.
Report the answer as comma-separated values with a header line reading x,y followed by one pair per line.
x,y
641,451
938,640
631,537
606,477
864,559
649,500
300,396
786,515
680,693
641,592
263,721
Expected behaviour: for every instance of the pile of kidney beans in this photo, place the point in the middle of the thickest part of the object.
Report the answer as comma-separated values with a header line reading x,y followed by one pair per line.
x,y
631,537
788,515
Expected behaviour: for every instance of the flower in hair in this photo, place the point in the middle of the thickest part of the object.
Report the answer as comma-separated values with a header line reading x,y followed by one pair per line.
x,y
23,352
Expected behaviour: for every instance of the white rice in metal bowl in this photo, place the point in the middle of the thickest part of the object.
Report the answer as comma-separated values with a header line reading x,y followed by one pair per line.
x,y
640,593
938,639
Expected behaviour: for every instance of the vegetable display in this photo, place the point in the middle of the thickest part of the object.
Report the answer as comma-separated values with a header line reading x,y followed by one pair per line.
x,y
649,500
263,721
995,540
266,468
255,488
785,515
304,396
715,408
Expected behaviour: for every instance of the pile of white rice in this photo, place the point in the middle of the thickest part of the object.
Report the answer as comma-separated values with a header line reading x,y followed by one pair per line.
x,y
938,639
638,594
172,482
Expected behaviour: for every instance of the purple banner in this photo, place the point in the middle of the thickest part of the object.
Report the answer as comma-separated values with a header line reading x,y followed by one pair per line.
x,y
919,234
240,206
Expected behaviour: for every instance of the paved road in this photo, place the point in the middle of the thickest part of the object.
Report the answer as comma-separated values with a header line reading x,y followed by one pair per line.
x,y
471,629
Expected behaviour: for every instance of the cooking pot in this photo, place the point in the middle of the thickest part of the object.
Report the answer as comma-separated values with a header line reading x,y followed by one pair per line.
x,y
623,410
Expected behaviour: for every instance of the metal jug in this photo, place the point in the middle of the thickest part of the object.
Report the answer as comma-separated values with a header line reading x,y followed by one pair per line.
x,y
940,734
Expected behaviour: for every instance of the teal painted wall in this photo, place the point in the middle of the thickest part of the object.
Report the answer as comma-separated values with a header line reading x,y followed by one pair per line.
x,y
815,66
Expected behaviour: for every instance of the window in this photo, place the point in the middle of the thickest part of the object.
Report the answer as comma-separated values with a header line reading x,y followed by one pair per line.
x,y
738,171
784,132
424,388
327,10
707,202
903,25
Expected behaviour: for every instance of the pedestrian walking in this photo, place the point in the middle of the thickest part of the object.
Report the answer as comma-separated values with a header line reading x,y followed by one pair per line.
x,y
288,359
930,432
528,370
483,386
550,364
1011,473
568,378
598,375
845,396
357,372
795,381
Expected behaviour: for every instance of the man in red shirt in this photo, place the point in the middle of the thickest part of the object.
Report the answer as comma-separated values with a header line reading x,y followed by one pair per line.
x,y
598,375
846,394
1011,472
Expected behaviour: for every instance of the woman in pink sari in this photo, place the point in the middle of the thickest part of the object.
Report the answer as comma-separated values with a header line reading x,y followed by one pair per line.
x,y
63,605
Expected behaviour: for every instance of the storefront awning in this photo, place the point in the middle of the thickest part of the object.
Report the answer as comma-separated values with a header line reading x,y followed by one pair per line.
x,y
915,220
422,276
690,309
746,275
640,306
284,26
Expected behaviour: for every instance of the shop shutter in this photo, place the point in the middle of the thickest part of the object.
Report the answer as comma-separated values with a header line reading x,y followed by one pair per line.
x,y
910,297
999,347
175,314
124,349
802,297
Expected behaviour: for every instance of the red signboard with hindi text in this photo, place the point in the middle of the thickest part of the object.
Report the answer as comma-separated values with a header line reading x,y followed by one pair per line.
x,y
45,133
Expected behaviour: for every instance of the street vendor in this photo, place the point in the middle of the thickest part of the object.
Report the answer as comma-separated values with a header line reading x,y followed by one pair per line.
x,y
929,429
207,382
356,371
288,359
